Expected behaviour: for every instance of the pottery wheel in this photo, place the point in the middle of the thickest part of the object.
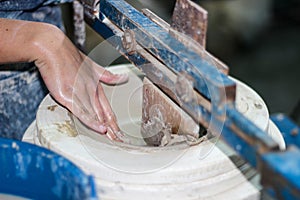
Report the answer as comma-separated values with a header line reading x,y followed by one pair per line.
x,y
135,171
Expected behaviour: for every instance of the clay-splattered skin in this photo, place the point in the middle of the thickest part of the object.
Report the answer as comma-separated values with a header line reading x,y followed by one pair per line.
x,y
72,78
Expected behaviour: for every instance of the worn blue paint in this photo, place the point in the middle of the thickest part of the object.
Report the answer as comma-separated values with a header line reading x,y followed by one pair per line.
x,y
209,81
116,41
33,172
246,126
289,129
282,173
247,151
102,29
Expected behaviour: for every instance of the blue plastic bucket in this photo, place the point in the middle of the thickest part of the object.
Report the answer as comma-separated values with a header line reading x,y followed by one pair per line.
x,y
33,172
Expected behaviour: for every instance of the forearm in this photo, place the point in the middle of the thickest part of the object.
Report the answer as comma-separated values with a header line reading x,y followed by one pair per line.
x,y
19,40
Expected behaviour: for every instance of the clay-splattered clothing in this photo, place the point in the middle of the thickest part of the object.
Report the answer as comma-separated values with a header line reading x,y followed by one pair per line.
x,y
21,87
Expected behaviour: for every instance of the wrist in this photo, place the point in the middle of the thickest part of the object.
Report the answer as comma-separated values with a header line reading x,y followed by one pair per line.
x,y
45,42
25,41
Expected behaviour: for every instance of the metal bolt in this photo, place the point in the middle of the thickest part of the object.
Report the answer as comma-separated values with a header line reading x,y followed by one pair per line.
x,y
185,88
295,132
129,42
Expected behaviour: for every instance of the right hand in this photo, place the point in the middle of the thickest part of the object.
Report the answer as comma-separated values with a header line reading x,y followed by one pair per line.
x,y
72,78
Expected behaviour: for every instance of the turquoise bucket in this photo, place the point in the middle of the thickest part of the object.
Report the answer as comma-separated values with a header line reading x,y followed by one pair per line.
x,y
33,172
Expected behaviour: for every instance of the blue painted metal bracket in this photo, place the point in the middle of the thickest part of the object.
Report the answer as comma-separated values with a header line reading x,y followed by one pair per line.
x,y
280,173
289,129
156,45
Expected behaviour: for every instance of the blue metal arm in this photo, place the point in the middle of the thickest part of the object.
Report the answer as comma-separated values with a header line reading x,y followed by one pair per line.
x,y
289,129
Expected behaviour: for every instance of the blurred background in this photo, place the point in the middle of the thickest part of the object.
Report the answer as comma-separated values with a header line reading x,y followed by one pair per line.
x,y
258,39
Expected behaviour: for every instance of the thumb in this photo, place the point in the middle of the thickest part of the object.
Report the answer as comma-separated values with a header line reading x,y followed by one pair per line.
x,y
112,79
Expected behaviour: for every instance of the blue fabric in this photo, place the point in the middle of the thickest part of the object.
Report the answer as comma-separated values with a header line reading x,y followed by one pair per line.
x,y
23,5
20,95
49,14
19,5
21,86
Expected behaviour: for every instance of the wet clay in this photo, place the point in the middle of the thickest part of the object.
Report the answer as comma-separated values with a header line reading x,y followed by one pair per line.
x,y
163,121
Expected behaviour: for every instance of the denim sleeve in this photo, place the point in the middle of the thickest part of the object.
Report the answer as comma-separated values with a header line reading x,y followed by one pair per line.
x,y
21,91
23,5
47,14
40,10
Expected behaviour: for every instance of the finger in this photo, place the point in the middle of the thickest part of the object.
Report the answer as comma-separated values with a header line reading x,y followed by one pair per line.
x,y
91,89
109,116
107,77
112,136
86,91
88,117
104,75
84,111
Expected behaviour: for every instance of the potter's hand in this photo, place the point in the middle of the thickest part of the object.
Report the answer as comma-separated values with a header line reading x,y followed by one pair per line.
x,y
72,78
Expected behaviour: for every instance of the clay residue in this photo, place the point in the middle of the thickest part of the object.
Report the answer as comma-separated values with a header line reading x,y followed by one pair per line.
x,y
67,128
163,122
155,132
52,108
